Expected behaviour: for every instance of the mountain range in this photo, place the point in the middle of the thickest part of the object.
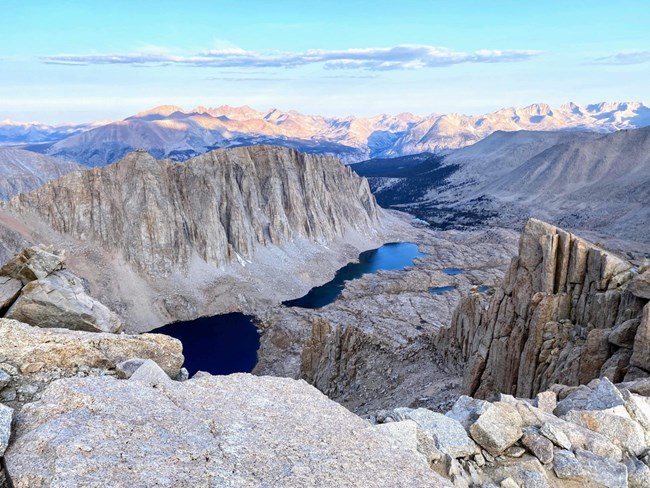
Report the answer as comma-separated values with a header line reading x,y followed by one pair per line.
x,y
171,132
581,180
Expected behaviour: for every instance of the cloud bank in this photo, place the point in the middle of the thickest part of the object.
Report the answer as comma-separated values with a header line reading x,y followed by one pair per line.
x,y
634,57
402,57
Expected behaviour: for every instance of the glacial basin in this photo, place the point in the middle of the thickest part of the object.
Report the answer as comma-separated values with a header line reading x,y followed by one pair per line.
x,y
228,343
392,256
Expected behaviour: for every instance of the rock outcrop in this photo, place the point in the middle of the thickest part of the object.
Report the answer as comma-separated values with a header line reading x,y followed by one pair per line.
x,y
33,357
35,288
567,312
219,207
601,442
236,430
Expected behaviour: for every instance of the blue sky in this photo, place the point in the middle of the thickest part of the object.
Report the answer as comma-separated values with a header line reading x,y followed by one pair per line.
x,y
74,61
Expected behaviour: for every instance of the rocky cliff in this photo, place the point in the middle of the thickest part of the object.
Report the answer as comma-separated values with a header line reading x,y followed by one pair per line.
x,y
220,206
567,312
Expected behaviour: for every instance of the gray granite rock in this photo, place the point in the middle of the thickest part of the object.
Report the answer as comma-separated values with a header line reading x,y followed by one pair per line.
x,y
555,435
407,434
33,263
150,373
565,465
467,410
450,436
125,369
604,396
539,446
9,290
237,430
638,474
615,424
5,379
623,334
6,415
60,300
35,357
601,470
498,428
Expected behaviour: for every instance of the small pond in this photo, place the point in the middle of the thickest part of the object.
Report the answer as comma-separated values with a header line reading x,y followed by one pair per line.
x,y
452,271
442,289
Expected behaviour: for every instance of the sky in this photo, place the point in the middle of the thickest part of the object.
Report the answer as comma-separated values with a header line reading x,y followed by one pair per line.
x,y
78,61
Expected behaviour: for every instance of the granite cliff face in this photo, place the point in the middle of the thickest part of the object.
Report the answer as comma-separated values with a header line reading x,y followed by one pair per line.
x,y
159,215
567,312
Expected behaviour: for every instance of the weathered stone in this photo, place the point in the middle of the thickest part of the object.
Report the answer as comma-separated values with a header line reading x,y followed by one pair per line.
x,y
5,379
565,465
638,474
6,414
526,472
467,410
604,396
60,300
450,436
126,368
640,285
594,355
32,264
575,400
236,430
616,367
183,375
32,367
555,435
407,434
9,291
539,446
546,400
508,483
514,451
598,469
623,334
498,428
63,353
150,373
641,352
638,408
615,424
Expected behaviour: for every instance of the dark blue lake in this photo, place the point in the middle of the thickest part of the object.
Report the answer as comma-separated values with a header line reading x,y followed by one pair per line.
x,y
221,344
396,255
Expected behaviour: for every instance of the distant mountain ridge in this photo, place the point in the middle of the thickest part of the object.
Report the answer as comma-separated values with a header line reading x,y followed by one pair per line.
x,y
22,171
170,131
581,180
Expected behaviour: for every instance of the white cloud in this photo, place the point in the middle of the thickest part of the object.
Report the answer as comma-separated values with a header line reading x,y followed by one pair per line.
x,y
629,57
402,57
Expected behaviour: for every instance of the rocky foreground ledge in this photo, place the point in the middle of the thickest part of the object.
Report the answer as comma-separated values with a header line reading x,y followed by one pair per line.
x,y
210,431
